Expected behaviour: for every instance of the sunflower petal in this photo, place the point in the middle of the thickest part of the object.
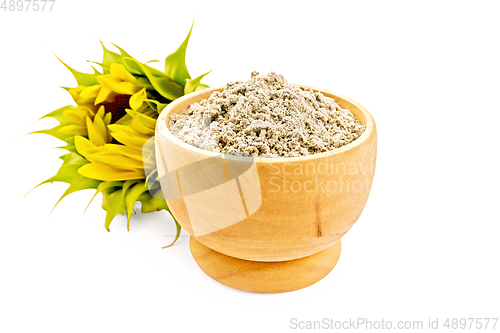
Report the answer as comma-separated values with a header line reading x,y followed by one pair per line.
x,y
134,141
100,112
90,93
82,144
125,151
125,120
104,95
137,99
119,71
139,126
104,172
115,160
75,129
78,114
103,130
116,128
117,85
94,135
147,121
107,120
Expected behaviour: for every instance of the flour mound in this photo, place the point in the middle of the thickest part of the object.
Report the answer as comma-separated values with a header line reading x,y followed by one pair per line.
x,y
266,117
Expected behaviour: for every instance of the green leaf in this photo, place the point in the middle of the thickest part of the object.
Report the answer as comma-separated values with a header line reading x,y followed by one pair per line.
x,y
110,57
155,105
201,87
151,203
58,114
96,72
177,234
105,68
164,85
83,79
113,204
131,197
144,82
132,66
175,64
192,85
154,71
123,53
108,186
70,145
127,184
104,187
55,132
68,170
78,183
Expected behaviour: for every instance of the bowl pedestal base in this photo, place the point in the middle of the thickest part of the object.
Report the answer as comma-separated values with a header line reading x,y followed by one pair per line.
x,y
265,277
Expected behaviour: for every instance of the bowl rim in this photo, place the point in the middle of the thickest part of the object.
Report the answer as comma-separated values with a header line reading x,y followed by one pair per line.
x,y
163,128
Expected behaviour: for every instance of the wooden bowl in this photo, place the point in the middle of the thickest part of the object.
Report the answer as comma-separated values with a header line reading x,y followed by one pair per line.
x,y
266,209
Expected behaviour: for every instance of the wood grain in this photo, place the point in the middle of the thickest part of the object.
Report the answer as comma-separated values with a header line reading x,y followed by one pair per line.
x,y
265,277
318,200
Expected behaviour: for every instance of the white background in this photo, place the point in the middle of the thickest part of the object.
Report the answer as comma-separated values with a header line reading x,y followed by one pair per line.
x,y
426,245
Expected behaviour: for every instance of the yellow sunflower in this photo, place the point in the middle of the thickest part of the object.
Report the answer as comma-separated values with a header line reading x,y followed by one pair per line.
x,y
109,132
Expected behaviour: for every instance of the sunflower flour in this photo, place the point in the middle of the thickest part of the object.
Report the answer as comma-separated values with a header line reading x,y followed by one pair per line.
x,y
266,117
